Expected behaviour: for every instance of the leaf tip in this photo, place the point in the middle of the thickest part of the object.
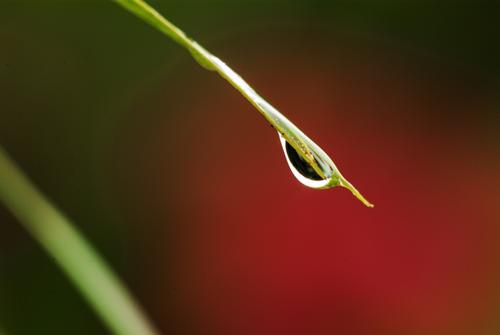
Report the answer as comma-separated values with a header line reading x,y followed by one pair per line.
x,y
346,184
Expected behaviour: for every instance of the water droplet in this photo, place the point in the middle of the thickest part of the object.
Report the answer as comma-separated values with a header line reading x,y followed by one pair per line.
x,y
303,170
328,175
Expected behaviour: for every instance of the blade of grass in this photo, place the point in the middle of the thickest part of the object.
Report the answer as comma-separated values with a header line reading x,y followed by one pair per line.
x,y
305,147
76,257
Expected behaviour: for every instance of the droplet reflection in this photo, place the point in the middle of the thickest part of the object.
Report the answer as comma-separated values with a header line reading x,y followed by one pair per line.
x,y
301,169
302,166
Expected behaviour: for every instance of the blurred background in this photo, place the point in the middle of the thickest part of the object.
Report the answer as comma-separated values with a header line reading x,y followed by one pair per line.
x,y
182,185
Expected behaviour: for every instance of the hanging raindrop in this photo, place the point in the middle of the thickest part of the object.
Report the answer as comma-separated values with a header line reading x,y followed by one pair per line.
x,y
301,169
309,175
